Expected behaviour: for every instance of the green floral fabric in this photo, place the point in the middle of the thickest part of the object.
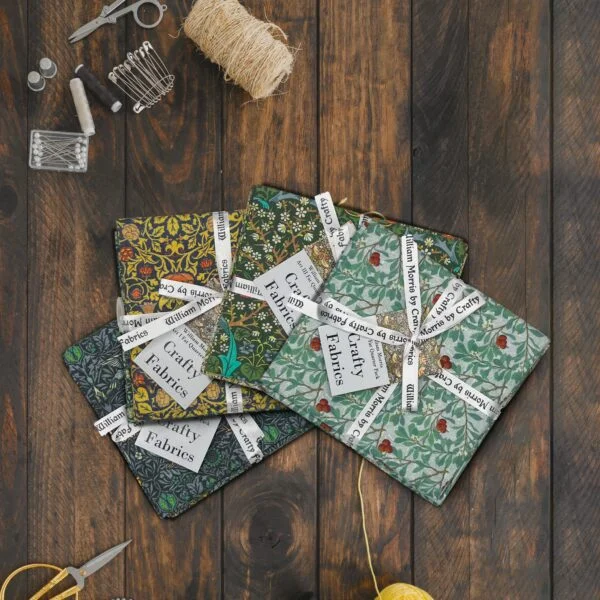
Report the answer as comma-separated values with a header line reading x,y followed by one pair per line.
x,y
277,225
493,350
95,363
180,248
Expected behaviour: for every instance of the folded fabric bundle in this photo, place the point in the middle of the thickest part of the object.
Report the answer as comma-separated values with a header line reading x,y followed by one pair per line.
x,y
186,249
281,228
429,374
96,365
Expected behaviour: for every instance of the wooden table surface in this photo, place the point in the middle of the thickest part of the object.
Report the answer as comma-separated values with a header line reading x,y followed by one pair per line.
x,y
475,117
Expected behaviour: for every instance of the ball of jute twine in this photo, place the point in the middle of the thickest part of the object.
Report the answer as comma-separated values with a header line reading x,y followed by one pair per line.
x,y
242,45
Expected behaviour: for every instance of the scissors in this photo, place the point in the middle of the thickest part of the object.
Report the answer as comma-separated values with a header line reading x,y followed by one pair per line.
x,y
106,17
78,574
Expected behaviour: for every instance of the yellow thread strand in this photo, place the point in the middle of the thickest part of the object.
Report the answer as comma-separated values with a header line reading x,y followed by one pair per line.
x,y
364,527
395,591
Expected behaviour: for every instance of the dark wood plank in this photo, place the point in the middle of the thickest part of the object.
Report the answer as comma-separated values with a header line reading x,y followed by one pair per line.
x,y
76,487
173,166
576,285
270,530
13,294
509,195
440,36
365,132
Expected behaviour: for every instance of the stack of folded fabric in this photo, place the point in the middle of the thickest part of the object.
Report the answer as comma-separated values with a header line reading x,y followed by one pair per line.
x,y
358,324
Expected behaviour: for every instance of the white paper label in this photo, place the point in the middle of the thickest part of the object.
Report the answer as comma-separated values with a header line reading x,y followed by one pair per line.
x,y
329,313
244,287
111,421
186,291
368,414
125,431
182,442
167,322
340,239
248,434
412,284
329,219
174,361
353,362
222,236
131,322
120,311
296,275
233,397
410,378
467,393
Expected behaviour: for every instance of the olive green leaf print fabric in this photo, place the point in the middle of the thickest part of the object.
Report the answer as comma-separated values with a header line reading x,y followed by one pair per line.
x,y
277,225
95,363
492,350
180,248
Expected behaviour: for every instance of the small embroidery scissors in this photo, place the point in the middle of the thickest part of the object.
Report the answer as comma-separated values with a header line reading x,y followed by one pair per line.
x,y
106,17
78,574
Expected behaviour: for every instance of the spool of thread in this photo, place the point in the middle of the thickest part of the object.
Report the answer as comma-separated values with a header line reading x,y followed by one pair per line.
x,y
48,68
242,45
84,114
35,81
101,92
403,591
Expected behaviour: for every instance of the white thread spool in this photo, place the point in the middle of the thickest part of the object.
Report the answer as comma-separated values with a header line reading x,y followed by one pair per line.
x,y
84,114
35,81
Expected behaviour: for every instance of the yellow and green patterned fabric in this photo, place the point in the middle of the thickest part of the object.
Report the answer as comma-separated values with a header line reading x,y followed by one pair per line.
x,y
181,248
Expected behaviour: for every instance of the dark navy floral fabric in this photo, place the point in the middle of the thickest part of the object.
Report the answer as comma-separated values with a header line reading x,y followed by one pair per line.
x,y
96,365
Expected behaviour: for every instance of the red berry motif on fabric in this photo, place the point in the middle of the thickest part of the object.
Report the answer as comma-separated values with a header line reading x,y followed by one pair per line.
x,y
385,446
315,344
441,425
126,253
206,263
323,406
375,259
145,270
501,342
436,298
138,379
445,362
183,277
325,427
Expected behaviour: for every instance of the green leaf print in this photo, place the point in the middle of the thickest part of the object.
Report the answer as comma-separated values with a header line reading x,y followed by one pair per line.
x,y
229,361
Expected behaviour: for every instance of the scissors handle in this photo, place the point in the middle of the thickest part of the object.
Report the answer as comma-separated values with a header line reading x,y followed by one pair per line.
x,y
72,591
54,581
135,8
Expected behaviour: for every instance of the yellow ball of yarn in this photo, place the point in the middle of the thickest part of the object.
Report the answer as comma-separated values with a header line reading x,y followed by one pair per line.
x,y
403,591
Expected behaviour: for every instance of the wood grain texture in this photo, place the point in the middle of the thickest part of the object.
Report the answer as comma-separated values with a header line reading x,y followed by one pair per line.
x,y
13,293
365,136
440,179
173,167
270,514
439,113
576,481
75,507
509,167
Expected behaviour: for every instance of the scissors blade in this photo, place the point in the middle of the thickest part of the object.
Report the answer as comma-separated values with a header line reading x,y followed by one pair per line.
x,y
91,566
86,29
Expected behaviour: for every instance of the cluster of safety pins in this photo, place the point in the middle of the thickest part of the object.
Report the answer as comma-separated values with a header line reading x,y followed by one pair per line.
x,y
142,76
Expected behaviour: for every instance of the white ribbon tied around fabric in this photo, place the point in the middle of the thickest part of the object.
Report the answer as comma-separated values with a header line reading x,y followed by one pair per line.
x,y
448,311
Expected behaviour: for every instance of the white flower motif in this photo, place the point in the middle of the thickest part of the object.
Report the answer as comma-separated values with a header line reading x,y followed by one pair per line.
x,y
429,242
